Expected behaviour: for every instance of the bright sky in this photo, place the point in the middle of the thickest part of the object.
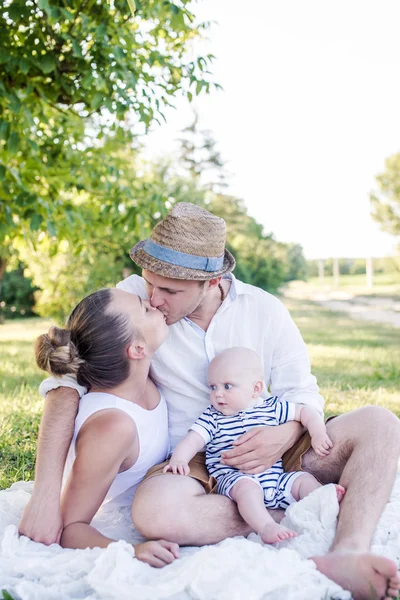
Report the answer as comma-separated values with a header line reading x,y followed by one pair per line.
x,y
309,113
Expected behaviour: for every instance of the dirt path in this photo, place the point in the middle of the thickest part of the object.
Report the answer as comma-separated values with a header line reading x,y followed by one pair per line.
x,y
365,308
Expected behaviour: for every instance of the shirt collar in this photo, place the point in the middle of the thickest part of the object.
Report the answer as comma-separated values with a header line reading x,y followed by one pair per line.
x,y
238,288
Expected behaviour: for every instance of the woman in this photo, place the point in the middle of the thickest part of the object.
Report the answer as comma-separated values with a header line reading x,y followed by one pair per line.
x,y
121,429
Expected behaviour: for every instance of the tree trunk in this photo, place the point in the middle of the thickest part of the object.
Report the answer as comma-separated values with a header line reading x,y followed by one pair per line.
x,y
3,264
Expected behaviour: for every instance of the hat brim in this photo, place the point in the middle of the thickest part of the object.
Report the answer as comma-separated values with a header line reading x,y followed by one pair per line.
x,y
159,267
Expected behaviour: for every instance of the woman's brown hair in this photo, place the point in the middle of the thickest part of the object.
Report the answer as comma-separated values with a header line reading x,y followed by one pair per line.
x,y
92,346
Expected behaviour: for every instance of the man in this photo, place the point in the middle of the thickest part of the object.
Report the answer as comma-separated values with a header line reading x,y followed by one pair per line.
x,y
186,275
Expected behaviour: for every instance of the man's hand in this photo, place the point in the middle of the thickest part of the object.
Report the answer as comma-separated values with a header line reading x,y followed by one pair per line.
x,y
178,467
258,449
41,521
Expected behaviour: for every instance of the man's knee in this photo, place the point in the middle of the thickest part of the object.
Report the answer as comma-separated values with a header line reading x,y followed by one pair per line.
x,y
377,422
161,505
362,423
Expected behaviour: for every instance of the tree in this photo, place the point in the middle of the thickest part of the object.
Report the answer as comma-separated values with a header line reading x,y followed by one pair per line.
x,y
386,201
260,259
76,78
296,263
200,157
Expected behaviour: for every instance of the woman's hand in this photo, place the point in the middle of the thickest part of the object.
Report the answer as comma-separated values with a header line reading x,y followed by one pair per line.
x,y
177,467
158,553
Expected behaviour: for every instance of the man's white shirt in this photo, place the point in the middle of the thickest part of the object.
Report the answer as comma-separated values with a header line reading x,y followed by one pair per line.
x,y
248,317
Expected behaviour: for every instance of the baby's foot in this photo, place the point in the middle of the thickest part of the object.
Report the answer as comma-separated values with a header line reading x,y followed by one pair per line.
x,y
275,532
340,492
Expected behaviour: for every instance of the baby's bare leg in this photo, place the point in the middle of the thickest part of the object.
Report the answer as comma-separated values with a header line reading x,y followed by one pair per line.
x,y
249,498
306,483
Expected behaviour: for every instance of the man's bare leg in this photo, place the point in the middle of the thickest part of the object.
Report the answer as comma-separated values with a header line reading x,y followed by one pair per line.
x,y
364,461
176,508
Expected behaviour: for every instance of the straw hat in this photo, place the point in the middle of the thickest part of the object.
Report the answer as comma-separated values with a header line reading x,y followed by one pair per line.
x,y
188,244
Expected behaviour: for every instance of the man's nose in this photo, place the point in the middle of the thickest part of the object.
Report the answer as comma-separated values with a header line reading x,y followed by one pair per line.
x,y
156,299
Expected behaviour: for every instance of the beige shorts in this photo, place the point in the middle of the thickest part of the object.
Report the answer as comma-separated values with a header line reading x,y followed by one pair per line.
x,y
292,460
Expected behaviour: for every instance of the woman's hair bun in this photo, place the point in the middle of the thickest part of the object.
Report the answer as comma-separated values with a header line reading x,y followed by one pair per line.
x,y
56,354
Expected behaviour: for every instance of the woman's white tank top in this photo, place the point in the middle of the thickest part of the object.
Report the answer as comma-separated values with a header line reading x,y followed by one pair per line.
x,y
152,430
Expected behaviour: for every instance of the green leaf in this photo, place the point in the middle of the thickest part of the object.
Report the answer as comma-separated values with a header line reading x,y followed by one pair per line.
x,y
4,129
33,145
15,103
24,65
96,100
118,53
101,31
76,49
2,172
44,5
13,143
36,222
87,81
67,14
55,13
47,63
28,116
51,228
132,6
15,12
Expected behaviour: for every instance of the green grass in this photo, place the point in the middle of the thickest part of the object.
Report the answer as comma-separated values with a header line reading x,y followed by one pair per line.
x,y
385,285
356,363
20,403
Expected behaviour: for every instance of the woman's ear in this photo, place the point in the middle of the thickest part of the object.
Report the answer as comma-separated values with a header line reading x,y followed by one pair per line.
x,y
258,388
137,350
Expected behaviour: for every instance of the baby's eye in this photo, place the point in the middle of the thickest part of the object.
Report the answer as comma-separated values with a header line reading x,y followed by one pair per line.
x,y
212,387
227,386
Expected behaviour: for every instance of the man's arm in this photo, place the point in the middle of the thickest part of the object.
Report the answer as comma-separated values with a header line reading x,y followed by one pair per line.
x,y
41,520
291,378
258,449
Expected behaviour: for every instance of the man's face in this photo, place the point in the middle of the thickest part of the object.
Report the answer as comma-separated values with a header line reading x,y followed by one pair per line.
x,y
175,298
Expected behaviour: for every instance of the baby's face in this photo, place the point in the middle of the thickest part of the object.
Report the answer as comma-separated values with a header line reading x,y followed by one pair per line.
x,y
230,390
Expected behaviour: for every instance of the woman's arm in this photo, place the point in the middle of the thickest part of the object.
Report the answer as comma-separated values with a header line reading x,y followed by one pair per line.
x,y
107,444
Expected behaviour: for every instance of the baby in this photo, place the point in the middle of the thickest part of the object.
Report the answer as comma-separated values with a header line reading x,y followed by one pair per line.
x,y
236,383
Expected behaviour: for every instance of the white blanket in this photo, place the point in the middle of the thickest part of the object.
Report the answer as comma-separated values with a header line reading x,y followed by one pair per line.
x,y
236,568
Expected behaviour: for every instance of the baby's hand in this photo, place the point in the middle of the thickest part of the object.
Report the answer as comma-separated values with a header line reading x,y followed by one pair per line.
x,y
178,467
322,444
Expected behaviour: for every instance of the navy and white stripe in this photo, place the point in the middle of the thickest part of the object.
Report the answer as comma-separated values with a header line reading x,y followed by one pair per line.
x,y
220,431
